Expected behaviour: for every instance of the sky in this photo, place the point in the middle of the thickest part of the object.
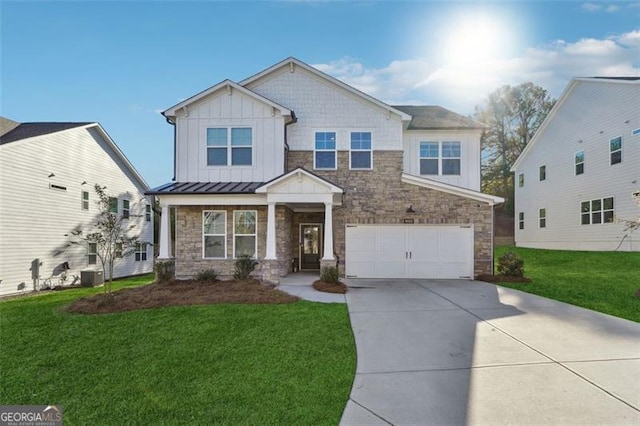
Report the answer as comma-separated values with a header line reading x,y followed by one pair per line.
x,y
122,63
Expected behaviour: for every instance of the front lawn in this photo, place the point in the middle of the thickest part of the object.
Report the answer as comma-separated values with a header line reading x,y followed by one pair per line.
x,y
603,281
210,364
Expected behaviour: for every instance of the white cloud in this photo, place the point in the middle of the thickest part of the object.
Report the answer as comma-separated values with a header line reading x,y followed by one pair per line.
x,y
612,8
421,81
591,7
596,7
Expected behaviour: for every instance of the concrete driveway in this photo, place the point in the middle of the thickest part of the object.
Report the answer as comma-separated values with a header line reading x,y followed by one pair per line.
x,y
455,352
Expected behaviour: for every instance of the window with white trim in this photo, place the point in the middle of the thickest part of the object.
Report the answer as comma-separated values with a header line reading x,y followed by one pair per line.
x,y
521,220
140,252
440,158
429,158
543,173
125,209
92,254
596,211
521,180
451,158
324,155
635,132
245,231
615,150
118,251
542,218
229,146
360,152
579,162
85,200
147,213
113,205
214,234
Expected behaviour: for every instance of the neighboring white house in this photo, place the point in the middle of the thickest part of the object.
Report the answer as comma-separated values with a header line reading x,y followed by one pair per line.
x,y
47,177
301,170
581,169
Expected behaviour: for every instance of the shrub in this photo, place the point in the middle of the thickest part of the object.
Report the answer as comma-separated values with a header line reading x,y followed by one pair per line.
x,y
207,275
510,265
244,267
329,274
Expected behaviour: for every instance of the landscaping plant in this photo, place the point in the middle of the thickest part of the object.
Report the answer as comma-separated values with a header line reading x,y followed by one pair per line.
x,y
244,266
207,275
511,265
329,274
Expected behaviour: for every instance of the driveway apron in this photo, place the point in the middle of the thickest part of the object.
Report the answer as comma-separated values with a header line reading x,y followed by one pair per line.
x,y
458,352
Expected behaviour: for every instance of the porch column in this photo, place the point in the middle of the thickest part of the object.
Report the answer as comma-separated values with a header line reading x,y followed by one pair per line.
x,y
164,251
271,230
328,231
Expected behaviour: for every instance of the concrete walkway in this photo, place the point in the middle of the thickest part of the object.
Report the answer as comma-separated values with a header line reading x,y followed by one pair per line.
x,y
299,284
456,352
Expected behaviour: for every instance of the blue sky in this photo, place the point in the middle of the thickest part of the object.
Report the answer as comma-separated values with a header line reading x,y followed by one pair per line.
x,y
121,63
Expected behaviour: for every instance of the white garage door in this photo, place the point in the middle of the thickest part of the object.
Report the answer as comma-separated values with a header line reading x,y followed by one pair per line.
x,y
409,251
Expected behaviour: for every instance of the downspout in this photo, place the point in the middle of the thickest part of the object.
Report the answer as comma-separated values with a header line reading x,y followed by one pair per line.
x,y
294,119
174,145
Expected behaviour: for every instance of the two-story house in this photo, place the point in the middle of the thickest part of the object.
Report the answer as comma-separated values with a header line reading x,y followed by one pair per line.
x,y
301,170
581,169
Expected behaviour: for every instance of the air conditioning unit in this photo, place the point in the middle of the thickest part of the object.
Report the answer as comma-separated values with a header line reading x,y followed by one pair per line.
x,y
91,278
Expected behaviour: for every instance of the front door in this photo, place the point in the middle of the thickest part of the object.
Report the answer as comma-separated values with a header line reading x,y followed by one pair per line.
x,y
310,246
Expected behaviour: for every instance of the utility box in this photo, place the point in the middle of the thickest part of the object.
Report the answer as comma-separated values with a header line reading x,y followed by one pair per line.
x,y
91,278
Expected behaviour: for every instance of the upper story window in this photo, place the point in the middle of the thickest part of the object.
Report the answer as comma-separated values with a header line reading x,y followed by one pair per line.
x,y
125,209
521,180
615,150
596,211
324,156
635,132
214,234
579,162
543,173
85,200
440,158
113,205
360,153
229,146
147,213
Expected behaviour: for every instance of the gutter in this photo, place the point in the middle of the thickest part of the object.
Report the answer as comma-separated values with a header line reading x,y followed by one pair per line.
x,y
294,120
173,123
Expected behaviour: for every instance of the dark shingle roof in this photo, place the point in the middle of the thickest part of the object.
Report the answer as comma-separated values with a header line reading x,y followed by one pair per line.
x,y
206,188
619,78
29,130
430,117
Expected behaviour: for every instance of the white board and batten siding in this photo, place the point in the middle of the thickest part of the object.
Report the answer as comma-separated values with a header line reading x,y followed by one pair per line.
x,y
229,109
321,106
409,251
590,115
34,216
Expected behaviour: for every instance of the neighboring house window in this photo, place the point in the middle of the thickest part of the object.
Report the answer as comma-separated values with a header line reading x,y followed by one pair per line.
x,y
543,173
92,253
542,218
324,156
125,209
521,180
113,205
596,211
229,146
360,150
118,252
579,161
147,213
440,158
429,158
635,132
451,158
214,234
85,200
521,220
244,233
615,150
140,252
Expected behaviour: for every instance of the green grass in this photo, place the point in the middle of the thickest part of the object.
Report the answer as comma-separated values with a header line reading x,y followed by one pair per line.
x,y
602,281
215,364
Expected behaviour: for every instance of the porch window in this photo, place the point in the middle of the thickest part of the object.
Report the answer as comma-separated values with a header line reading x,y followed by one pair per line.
x,y
360,153
324,156
230,146
244,233
214,234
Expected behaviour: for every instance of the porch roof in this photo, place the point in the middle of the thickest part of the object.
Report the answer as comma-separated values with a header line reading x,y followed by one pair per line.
x,y
206,188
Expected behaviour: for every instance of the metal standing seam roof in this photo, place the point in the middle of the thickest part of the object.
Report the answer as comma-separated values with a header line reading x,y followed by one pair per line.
x,y
206,188
433,117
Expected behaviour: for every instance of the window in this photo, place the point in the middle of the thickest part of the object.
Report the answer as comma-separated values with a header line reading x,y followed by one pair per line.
x,y
229,146
542,218
325,151
147,212
543,173
85,200
521,220
113,205
596,211
440,158
615,150
92,254
635,132
244,233
579,161
214,234
521,180
118,251
125,209
140,252
360,154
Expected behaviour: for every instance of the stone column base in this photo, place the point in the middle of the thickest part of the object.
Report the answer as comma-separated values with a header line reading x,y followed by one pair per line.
x,y
327,263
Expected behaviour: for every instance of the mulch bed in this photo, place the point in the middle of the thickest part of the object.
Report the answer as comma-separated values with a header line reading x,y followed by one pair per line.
x,y
502,279
338,288
181,292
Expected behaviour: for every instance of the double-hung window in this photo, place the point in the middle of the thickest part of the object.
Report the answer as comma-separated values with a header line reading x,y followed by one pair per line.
x,y
543,173
521,180
92,254
542,218
324,156
113,205
596,211
521,220
429,158
229,146
579,162
140,252
440,158
85,200
615,150
147,213
360,153
451,158
125,209
214,234
244,233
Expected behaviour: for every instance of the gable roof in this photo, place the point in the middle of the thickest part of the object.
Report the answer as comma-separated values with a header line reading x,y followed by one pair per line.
x,y
292,62
30,130
7,125
171,112
567,91
492,200
433,117
299,171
